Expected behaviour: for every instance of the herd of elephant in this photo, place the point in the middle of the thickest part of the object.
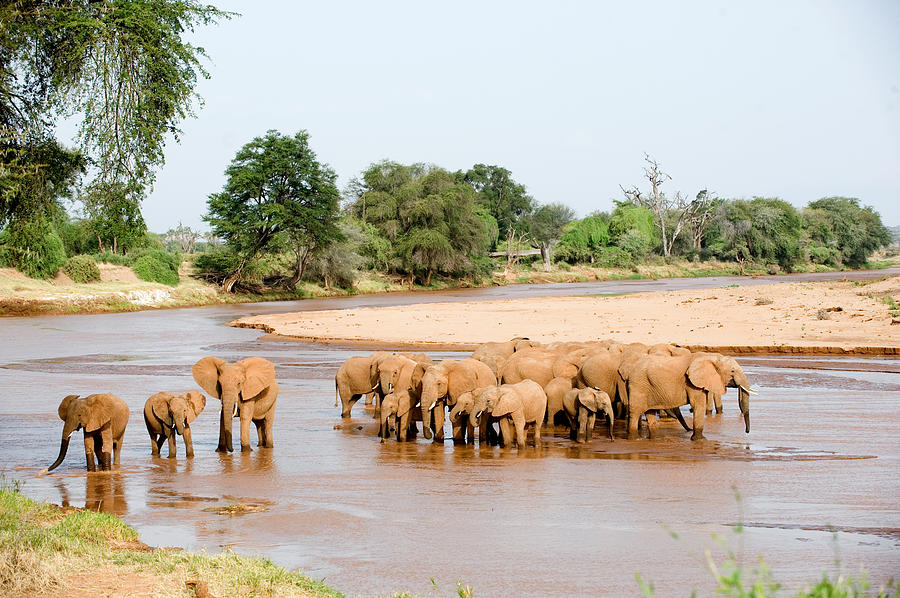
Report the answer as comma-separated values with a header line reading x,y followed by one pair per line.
x,y
246,388
521,383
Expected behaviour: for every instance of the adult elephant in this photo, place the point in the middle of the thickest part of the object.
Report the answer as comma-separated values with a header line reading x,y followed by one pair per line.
x,y
167,414
247,389
664,382
442,384
495,354
581,406
103,418
358,377
522,403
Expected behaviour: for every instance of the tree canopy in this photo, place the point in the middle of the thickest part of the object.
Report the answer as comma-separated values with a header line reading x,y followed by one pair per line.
x,y
277,193
505,199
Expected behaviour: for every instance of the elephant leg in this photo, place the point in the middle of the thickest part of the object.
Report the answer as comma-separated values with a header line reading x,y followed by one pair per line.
x,y
634,419
117,449
246,416
269,429
505,433
106,448
188,443
519,422
537,433
170,436
699,418
652,423
155,443
260,432
89,451
717,399
347,403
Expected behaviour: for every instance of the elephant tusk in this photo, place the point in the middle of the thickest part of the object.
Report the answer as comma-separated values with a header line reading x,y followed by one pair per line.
x,y
749,390
235,410
432,406
478,415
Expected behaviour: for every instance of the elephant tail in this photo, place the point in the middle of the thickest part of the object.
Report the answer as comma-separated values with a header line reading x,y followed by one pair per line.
x,y
336,395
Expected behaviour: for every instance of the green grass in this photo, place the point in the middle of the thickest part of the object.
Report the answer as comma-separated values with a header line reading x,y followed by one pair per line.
x,y
41,546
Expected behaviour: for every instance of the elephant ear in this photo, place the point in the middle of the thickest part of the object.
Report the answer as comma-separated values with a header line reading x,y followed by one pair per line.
x,y
506,403
99,412
703,374
589,400
197,401
206,374
63,410
159,404
416,378
459,380
259,374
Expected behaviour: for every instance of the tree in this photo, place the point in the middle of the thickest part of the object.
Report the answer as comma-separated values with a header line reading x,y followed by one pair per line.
x,y
765,229
183,236
853,230
670,214
276,191
114,217
506,200
430,218
121,66
545,227
582,239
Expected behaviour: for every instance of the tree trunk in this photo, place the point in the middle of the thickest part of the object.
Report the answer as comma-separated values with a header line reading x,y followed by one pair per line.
x,y
545,255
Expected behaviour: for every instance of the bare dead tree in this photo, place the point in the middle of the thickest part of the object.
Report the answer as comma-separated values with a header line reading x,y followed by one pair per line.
x,y
701,215
184,236
514,241
678,208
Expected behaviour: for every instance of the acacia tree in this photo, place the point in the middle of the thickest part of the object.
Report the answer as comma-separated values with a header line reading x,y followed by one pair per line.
x,y
506,200
430,218
545,228
121,67
276,192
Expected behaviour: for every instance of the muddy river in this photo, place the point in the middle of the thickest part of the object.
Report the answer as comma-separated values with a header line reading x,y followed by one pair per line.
x,y
816,482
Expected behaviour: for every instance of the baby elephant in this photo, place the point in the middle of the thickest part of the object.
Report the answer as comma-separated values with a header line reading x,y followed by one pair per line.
x,y
168,414
582,406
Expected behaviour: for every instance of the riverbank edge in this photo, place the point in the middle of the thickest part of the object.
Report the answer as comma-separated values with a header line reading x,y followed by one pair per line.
x,y
755,350
46,549
196,293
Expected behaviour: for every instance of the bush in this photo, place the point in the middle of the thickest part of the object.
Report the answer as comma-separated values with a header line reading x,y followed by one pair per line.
x,y
82,269
152,268
33,247
216,265
636,244
614,257
108,257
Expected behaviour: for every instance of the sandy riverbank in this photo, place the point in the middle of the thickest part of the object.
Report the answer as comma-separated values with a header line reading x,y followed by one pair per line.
x,y
814,317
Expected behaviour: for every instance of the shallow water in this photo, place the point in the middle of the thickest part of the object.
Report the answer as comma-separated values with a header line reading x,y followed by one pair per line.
x,y
370,518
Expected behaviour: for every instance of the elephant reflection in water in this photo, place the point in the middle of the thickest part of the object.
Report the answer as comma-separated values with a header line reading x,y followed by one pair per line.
x,y
104,493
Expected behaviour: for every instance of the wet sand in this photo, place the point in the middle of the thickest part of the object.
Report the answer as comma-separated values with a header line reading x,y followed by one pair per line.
x,y
373,518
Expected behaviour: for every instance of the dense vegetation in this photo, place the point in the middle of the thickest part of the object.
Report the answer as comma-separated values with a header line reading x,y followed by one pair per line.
x,y
280,220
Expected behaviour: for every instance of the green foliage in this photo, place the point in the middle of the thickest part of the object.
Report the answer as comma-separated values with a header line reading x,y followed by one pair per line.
x,y
430,218
636,244
76,236
614,257
582,239
277,196
505,200
337,264
153,267
81,269
33,247
628,216
216,265
766,230
114,216
840,223
117,259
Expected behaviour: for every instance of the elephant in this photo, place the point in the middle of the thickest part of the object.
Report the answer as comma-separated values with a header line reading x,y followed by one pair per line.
x,y
247,388
581,406
103,418
664,382
398,411
461,417
522,403
357,377
167,414
402,375
495,354
442,384
555,390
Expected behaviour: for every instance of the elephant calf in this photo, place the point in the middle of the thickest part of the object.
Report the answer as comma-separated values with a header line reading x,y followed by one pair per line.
x,y
582,405
168,414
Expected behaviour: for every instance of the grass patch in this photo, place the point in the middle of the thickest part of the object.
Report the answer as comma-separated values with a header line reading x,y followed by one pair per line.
x,y
43,547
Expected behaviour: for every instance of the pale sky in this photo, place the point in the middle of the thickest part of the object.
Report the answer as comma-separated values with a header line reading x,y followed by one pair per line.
x,y
793,99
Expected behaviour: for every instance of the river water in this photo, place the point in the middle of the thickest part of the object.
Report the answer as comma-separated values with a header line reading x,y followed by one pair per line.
x,y
815,482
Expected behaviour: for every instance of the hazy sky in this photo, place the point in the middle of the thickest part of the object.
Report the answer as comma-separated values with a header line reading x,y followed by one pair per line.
x,y
798,100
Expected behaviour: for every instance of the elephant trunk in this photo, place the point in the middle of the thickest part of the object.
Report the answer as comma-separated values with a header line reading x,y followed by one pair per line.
x,y
581,436
179,424
229,410
612,422
63,447
744,403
